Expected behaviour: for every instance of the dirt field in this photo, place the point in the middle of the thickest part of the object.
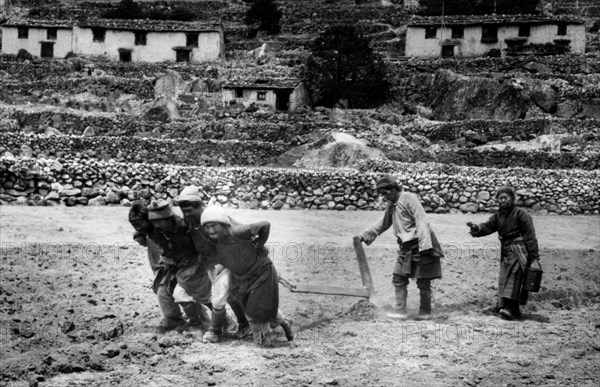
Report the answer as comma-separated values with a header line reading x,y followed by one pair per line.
x,y
76,310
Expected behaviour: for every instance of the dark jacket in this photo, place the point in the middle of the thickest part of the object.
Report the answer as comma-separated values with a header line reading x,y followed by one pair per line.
x,y
512,224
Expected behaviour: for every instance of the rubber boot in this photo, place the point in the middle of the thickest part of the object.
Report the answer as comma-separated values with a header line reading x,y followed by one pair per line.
x,y
400,311
261,333
286,325
238,309
219,322
425,305
193,311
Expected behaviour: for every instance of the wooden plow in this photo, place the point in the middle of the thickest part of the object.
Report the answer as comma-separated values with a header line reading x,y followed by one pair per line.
x,y
365,274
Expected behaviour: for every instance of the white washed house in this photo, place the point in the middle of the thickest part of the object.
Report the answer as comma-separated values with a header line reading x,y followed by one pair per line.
x,y
149,40
116,39
475,35
42,38
279,94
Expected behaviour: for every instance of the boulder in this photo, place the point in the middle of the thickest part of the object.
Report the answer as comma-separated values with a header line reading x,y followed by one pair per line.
x,y
590,109
163,111
197,86
544,96
537,68
26,151
567,109
89,131
469,207
50,131
458,97
333,150
169,86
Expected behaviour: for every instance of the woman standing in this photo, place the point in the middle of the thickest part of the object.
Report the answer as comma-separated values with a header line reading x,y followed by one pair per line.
x,y
519,248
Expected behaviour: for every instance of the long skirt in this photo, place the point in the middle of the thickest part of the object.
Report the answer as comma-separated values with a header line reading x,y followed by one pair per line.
x,y
513,261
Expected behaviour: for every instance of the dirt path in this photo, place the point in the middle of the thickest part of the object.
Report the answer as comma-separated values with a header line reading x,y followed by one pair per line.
x,y
75,309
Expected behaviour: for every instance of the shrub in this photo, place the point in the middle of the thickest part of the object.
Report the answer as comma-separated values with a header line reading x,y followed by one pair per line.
x,y
182,13
265,16
127,9
343,67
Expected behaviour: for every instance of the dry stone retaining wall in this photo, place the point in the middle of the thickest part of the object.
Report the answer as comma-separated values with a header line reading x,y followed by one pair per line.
x,y
441,188
136,149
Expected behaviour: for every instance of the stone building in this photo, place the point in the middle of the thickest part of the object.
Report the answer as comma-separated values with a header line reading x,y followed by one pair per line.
x,y
116,39
279,94
42,38
476,35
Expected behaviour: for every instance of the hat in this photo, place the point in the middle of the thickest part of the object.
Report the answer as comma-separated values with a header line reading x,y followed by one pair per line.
x,y
190,194
214,214
160,209
387,181
507,190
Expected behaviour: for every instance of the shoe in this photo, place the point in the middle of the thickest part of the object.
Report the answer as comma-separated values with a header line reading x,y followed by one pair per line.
x,y
491,310
506,314
397,314
169,325
243,331
423,316
287,329
211,337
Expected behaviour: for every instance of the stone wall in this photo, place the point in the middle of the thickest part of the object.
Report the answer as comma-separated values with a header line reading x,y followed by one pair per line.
x,y
136,149
441,188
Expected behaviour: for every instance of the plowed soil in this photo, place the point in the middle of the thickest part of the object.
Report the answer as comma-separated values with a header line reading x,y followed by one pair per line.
x,y
76,308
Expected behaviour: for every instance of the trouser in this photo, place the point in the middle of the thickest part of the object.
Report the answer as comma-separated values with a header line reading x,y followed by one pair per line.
x,y
167,304
220,295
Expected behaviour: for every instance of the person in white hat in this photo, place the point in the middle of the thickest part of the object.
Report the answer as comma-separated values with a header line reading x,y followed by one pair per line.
x,y
240,248
190,203
193,290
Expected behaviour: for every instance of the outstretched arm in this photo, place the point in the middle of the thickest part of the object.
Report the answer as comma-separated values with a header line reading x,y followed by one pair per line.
x,y
369,234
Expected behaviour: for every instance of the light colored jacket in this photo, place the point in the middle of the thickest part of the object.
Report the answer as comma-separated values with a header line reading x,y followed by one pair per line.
x,y
408,219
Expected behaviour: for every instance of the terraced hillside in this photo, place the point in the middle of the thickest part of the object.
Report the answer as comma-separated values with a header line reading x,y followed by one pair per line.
x,y
530,112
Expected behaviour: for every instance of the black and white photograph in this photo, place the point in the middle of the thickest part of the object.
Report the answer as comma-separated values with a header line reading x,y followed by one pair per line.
x,y
299,193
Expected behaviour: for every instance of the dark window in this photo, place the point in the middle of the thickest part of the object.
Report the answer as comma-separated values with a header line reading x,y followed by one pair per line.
x,y
47,50
524,30
125,55
261,96
140,38
430,32
99,34
447,51
562,29
23,32
191,40
458,32
182,55
239,93
51,33
489,34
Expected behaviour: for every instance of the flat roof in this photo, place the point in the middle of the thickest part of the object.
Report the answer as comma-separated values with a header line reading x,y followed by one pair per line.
x,y
277,83
120,24
423,21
